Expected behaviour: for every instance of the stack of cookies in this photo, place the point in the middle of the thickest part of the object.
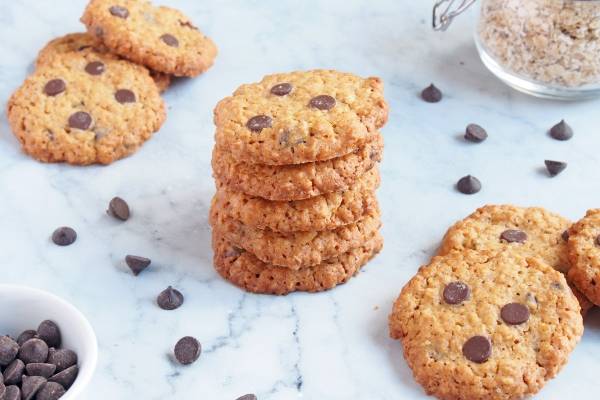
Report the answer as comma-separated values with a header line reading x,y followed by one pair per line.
x,y
295,164
95,97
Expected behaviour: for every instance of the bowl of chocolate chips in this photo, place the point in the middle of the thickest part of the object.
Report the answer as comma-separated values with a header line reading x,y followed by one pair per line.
x,y
48,349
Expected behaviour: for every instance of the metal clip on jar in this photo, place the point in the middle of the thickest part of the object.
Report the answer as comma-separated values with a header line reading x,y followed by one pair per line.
x,y
546,48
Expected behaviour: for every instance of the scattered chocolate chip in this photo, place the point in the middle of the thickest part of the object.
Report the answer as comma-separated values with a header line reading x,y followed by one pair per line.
x,y
50,391
137,264
40,369
431,94
33,351
475,133
119,209
125,96
31,385
49,332
598,240
187,350
54,87
513,236
80,120
247,397
14,372
456,292
12,393
62,358
477,349
188,24
259,122
281,89
170,40
561,131
565,236
514,313
170,299
95,68
65,378
64,236
8,350
119,11
468,185
555,167
323,102
25,336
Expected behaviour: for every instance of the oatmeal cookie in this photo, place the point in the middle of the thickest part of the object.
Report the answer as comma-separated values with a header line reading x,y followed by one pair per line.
x,y
584,253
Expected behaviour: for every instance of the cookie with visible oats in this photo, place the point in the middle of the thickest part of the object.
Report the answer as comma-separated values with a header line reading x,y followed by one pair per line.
x,y
85,108
486,325
161,38
300,117
584,253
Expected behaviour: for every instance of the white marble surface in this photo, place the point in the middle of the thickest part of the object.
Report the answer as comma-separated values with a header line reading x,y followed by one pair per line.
x,y
333,345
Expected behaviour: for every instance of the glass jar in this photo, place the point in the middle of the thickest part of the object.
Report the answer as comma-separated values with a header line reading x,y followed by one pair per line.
x,y
547,48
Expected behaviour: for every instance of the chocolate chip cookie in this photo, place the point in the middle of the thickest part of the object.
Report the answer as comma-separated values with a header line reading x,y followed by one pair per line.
x,y
584,253
161,38
486,325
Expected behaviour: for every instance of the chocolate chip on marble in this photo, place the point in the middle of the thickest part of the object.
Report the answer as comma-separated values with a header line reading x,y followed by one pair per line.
x,y
259,122
477,349
170,299
13,373
8,350
25,336
119,11
125,96
513,236
95,68
514,313
80,120
137,264
40,369
62,358
33,351
475,133
555,167
49,332
54,87
468,185
187,350
119,209
31,385
456,292
12,393
431,94
50,391
247,397
170,40
323,102
282,89
65,378
561,131
64,236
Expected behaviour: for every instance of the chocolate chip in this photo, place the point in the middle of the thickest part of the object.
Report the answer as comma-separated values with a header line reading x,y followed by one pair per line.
x,y
565,236
188,24
64,236
598,241
431,94
25,336
477,349
54,87
187,350
323,102
40,369
137,264
513,236
247,397
259,122
119,209
80,120
95,68
475,133
125,96
561,131
468,185
62,358
14,372
514,313
65,378
456,292
282,89
50,391
49,332
8,350
31,385
170,40
555,167
119,11
170,299
12,393
33,351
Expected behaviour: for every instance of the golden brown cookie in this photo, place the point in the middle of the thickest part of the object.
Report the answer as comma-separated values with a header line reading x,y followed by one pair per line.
x,y
161,38
249,273
486,325
584,253
300,117
85,108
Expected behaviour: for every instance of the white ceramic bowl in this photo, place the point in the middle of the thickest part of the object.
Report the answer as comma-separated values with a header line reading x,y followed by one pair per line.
x,y
24,308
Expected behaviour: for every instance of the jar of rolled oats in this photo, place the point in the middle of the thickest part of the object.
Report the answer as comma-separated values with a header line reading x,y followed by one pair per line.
x,y
547,48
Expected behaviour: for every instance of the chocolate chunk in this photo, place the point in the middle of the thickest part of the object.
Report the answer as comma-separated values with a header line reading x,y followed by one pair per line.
x,y
50,391
247,397
431,94
456,292
12,393
95,68
137,264
598,240
187,350
513,236
8,350
477,349
323,102
468,185
170,40
125,96
259,122
33,351
514,313
25,336
475,133
555,167
561,131
54,87
65,378
119,209
14,372
170,299
282,89
62,358
119,11
40,369
31,385
565,236
49,332
80,120
64,236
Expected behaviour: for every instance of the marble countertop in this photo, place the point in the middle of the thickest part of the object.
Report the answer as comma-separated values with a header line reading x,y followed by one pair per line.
x,y
333,345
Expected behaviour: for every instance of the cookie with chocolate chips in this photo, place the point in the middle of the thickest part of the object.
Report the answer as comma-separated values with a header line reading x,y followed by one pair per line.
x,y
485,324
85,108
584,253
161,38
300,117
